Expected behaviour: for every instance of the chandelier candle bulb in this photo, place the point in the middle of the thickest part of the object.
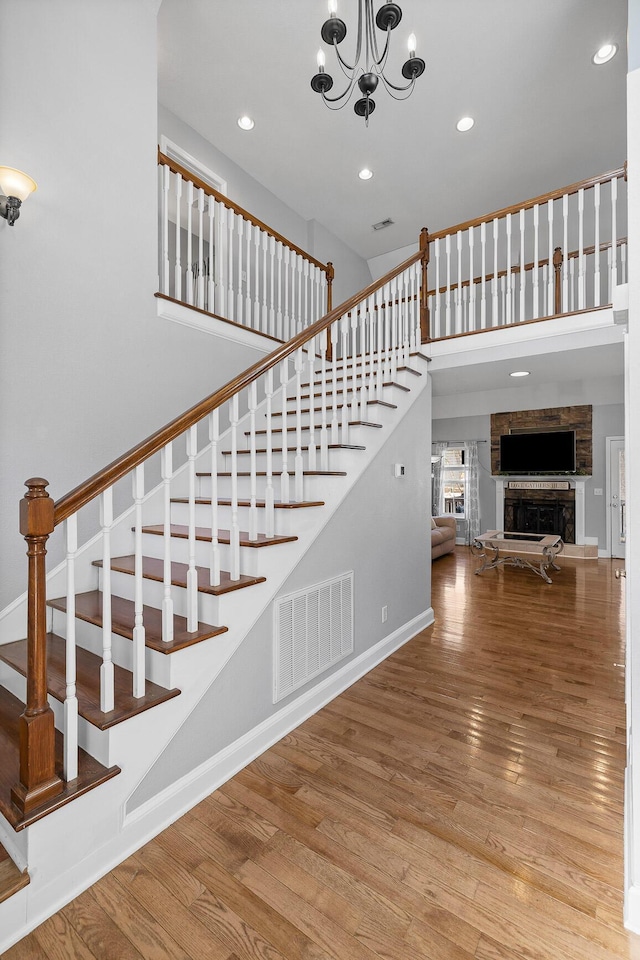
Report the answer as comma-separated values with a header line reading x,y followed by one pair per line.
x,y
321,61
333,8
411,43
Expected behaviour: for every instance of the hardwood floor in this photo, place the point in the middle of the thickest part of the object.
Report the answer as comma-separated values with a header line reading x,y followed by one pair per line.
x,y
463,800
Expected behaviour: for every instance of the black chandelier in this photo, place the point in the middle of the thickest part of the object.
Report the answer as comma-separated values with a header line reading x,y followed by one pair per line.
x,y
367,75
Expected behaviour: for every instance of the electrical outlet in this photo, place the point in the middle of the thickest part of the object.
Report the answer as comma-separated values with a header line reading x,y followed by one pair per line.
x,y
384,614
398,469
597,491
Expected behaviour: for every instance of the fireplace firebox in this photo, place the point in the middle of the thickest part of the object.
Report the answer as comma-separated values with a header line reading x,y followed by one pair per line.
x,y
541,511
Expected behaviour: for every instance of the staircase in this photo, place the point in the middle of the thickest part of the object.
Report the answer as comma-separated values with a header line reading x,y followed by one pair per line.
x,y
143,617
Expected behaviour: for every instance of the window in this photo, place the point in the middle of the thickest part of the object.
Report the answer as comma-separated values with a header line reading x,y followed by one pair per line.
x,y
454,481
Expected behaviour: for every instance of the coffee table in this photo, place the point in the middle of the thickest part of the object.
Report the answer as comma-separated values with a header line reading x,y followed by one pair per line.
x,y
535,551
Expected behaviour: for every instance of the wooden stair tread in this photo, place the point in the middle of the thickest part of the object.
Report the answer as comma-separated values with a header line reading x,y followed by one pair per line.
x,y
360,374
90,773
204,533
263,473
387,383
89,608
11,878
88,682
226,502
153,569
339,406
317,426
331,446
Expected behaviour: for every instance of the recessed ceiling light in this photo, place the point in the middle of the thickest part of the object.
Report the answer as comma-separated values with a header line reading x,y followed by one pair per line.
x,y
246,123
365,174
606,52
465,124
520,373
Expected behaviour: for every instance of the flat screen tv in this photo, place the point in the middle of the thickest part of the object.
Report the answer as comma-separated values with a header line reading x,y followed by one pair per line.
x,y
551,452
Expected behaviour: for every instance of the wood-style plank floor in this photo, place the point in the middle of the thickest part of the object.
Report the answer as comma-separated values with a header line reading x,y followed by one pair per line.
x,y
463,800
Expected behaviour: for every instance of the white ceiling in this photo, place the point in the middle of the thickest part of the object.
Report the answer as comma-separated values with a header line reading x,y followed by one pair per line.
x,y
545,115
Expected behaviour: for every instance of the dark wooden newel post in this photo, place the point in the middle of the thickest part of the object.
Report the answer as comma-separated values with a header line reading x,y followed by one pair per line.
x,y
330,276
425,334
557,280
38,779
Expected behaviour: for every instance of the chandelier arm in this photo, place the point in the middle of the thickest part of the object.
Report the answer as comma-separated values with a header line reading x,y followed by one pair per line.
x,y
346,93
379,61
343,63
392,86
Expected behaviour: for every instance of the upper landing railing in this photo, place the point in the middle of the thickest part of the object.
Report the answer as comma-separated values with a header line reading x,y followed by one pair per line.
x,y
219,258
559,253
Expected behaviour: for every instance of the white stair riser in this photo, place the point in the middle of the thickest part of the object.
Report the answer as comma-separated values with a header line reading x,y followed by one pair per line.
x,y
313,487
336,460
285,520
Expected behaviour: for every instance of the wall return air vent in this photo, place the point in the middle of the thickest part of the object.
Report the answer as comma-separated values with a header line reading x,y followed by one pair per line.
x,y
381,224
312,630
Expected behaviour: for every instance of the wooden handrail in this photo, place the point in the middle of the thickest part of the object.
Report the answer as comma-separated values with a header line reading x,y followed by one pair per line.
x,y
211,192
105,478
617,174
587,252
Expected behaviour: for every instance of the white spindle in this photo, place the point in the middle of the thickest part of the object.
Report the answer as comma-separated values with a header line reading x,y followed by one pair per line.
x,y
379,361
220,261
177,277
324,437
298,466
166,186
550,270
244,276
311,357
565,250
581,258
234,532
447,247
272,294
596,251
286,328
623,262
509,278
242,316
269,493
200,300
483,281
264,324
138,629
355,313
495,313
211,300
256,282
417,273
459,322
192,571
344,330
284,473
70,760
299,262
167,601
231,301
305,270
522,315
572,284
214,556
253,509
106,668
189,271
536,260
279,316
472,287
614,238
436,264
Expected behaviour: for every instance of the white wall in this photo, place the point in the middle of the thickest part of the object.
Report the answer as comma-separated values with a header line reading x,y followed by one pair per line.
x,y
352,272
381,532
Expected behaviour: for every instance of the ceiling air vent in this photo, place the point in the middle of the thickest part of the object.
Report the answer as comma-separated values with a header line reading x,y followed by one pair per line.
x,y
382,224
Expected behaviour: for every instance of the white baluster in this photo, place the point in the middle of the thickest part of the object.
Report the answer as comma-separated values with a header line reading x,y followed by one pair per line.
x,y
70,759
581,263
344,331
242,316
272,289
220,262
138,629
447,243
305,270
335,327
234,532
192,572
200,301
166,185
522,270
211,287
253,509
284,473
623,262
256,292
417,272
177,277
379,363
565,250
189,271
286,328
536,260
231,300
214,557
472,287
264,323
459,322
279,316
106,667
167,601
609,258
437,319
298,465
269,493
324,438
550,271
572,285
483,281
596,252
355,314
509,278
495,312
614,238
299,262
311,357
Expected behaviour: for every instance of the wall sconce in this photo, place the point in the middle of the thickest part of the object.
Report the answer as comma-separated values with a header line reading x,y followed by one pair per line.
x,y
15,187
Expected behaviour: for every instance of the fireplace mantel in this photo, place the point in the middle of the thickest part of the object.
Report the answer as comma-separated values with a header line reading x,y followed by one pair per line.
x,y
575,483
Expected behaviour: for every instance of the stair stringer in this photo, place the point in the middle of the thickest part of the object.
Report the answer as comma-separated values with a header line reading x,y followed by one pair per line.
x,y
64,856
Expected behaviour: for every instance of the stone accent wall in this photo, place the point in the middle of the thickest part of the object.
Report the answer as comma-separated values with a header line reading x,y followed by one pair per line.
x,y
577,418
